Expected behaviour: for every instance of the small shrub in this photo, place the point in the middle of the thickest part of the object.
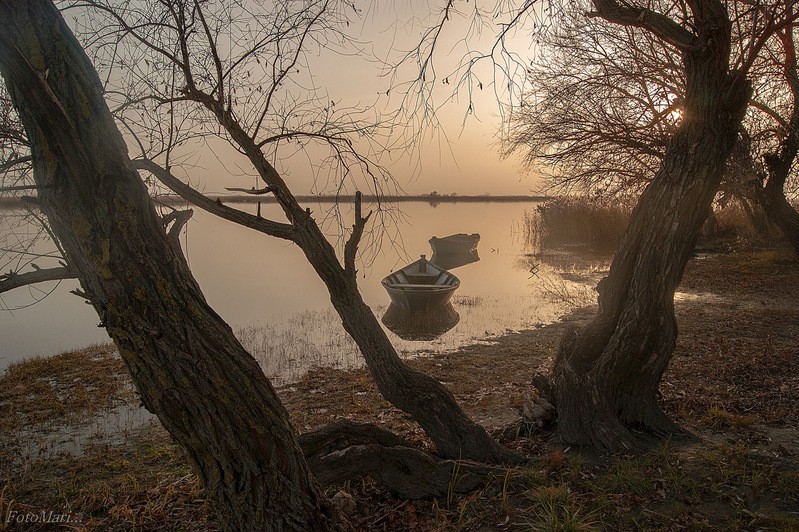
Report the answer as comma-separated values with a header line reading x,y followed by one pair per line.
x,y
732,221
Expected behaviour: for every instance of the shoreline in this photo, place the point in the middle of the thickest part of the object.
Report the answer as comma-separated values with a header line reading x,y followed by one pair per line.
x,y
720,385
170,199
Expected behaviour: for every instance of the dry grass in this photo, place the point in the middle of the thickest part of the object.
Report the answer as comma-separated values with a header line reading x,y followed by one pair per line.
x,y
69,386
144,483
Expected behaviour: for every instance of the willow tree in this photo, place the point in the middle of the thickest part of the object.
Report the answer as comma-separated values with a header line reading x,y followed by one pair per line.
x,y
778,167
190,370
606,376
604,101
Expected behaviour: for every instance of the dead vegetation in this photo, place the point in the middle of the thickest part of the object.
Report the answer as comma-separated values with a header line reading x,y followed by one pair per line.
x,y
733,381
65,387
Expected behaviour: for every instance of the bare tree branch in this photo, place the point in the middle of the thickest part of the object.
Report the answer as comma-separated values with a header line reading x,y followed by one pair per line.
x,y
253,191
269,227
178,219
659,24
16,161
13,280
351,247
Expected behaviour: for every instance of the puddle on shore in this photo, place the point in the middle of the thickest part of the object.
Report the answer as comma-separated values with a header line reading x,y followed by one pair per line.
x,y
51,439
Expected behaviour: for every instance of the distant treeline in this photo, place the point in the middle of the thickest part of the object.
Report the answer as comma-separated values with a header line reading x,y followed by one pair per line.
x,y
443,198
427,198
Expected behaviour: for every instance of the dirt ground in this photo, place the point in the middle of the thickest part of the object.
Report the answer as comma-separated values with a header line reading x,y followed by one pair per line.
x,y
733,381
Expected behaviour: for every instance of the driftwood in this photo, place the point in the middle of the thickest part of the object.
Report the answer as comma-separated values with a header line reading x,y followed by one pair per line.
x,y
345,450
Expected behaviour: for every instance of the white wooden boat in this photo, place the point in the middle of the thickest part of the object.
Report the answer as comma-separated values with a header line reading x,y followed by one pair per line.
x,y
420,286
454,244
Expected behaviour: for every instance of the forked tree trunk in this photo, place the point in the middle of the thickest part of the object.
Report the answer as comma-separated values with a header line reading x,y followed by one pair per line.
x,y
606,376
191,372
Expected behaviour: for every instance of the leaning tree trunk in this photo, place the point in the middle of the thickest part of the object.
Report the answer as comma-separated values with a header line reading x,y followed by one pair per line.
x,y
779,211
425,399
190,370
606,376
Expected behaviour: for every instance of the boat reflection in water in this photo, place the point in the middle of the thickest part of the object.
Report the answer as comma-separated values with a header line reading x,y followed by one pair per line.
x,y
425,312
454,260
420,324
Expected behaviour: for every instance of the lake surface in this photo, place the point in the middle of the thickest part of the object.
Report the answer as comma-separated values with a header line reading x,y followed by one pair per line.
x,y
280,309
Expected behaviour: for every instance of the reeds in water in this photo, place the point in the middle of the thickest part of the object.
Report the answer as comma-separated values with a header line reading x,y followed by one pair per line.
x,y
569,221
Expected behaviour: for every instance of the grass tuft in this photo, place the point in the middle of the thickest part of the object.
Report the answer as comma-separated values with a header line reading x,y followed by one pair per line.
x,y
718,418
556,510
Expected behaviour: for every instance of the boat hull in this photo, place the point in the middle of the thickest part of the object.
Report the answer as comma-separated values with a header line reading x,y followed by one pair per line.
x,y
454,244
418,299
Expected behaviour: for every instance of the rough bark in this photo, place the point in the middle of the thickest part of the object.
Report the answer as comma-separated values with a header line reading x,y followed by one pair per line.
x,y
606,376
187,365
781,213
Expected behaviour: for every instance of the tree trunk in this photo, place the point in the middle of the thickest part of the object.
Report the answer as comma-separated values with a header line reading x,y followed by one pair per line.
x,y
188,367
771,196
756,214
773,201
606,376
426,400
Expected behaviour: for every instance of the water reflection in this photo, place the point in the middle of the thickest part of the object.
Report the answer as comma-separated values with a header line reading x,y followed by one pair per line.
x,y
420,325
449,261
268,292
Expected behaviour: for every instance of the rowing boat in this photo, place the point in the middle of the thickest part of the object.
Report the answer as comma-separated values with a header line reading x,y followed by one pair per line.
x,y
420,286
454,244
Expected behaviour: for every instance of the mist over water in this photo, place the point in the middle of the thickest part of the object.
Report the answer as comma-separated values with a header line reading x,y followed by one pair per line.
x,y
265,289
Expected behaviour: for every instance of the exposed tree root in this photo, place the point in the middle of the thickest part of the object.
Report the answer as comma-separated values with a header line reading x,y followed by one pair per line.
x,y
345,450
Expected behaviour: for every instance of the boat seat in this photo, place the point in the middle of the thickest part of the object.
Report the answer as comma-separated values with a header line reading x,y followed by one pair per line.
x,y
414,286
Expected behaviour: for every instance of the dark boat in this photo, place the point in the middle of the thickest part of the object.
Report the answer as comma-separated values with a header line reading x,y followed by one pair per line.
x,y
454,244
420,286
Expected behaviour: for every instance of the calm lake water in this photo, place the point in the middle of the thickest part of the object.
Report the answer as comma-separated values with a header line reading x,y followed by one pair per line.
x,y
270,295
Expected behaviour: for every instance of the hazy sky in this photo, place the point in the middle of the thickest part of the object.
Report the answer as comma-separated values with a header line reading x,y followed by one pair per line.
x,y
461,155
